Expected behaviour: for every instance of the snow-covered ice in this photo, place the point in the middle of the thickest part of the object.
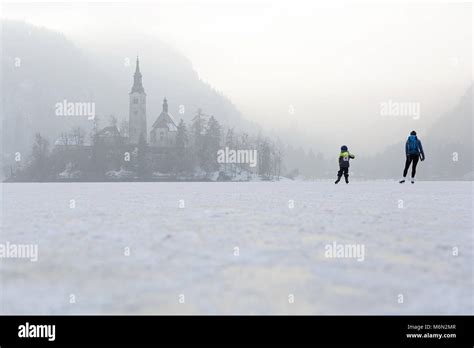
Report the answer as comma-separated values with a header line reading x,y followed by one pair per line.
x,y
409,233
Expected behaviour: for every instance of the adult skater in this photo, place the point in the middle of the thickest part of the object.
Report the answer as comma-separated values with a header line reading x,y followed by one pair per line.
x,y
414,152
344,158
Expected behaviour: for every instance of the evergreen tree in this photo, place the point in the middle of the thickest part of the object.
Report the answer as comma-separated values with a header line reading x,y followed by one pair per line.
x,y
212,140
265,159
311,166
278,158
181,153
40,164
197,129
230,143
99,153
142,167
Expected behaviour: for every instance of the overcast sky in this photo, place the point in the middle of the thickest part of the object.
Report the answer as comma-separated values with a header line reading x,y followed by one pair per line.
x,y
318,69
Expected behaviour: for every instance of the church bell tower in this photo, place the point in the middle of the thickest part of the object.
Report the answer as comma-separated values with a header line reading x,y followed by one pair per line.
x,y
137,111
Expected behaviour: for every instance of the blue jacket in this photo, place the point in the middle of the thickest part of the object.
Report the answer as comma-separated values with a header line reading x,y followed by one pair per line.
x,y
417,149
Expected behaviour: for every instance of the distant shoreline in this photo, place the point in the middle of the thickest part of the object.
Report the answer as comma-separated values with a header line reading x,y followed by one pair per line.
x,y
209,180
9,181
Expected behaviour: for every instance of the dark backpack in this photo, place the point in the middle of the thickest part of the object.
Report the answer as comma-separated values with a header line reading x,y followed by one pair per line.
x,y
412,144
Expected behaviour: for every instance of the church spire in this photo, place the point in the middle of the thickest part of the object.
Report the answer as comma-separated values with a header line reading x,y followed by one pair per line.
x,y
165,105
137,79
137,68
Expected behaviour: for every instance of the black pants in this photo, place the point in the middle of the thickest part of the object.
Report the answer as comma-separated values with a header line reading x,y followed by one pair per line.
x,y
410,159
344,171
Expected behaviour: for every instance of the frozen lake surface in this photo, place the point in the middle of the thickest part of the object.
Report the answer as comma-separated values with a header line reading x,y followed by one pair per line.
x,y
409,234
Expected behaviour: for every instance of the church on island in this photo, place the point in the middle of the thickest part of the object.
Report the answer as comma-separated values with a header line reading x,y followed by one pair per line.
x,y
164,151
164,129
147,151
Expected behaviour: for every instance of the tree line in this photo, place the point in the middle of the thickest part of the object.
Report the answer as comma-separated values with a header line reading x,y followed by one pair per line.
x,y
110,157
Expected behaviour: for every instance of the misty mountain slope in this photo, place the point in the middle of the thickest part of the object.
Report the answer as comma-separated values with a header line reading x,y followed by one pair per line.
x,y
166,73
41,67
456,125
447,144
450,141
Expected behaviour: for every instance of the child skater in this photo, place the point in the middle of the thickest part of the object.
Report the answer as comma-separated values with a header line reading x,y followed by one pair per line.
x,y
344,158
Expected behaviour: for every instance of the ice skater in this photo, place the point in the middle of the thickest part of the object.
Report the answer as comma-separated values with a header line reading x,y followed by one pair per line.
x,y
344,158
414,152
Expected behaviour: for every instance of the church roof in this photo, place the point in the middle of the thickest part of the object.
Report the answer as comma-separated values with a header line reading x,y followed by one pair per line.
x,y
165,120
